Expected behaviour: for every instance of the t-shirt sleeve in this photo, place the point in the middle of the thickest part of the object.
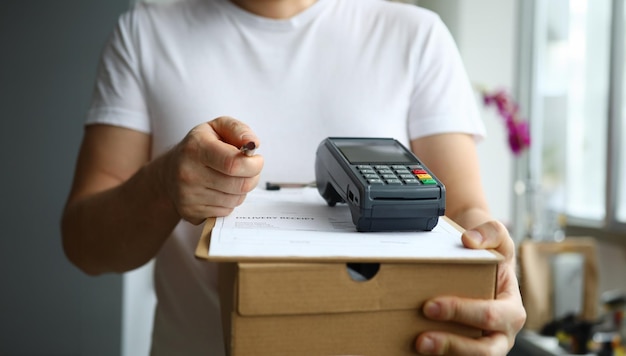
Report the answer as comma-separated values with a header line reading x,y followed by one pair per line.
x,y
118,97
443,100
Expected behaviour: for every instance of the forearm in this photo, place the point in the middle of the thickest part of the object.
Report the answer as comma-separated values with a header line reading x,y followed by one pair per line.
x,y
121,228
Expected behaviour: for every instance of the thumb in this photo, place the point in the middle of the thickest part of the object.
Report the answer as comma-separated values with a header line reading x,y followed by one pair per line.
x,y
490,235
234,132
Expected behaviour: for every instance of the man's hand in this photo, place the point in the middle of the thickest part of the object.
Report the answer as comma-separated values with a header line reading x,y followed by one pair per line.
x,y
501,319
206,175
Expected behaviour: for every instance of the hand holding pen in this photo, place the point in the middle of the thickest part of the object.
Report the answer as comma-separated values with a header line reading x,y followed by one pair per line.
x,y
212,169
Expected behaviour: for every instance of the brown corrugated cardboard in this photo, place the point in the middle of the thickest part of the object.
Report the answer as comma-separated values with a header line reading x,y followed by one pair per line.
x,y
536,278
317,309
303,308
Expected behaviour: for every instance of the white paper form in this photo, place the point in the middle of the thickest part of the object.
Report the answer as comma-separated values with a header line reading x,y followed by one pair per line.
x,y
297,223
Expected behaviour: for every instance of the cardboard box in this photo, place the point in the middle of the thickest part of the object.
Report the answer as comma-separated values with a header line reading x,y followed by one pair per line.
x,y
536,279
317,309
305,308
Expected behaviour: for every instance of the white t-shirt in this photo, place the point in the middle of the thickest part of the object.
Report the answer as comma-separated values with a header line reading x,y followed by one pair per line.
x,y
340,68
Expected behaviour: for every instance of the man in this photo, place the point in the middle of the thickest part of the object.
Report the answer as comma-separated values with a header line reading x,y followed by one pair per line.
x,y
296,71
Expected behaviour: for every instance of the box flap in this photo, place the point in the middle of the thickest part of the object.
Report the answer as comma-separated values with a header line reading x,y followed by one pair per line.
x,y
308,288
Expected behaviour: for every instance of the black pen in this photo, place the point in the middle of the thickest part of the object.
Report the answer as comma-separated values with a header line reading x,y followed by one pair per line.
x,y
277,186
248,148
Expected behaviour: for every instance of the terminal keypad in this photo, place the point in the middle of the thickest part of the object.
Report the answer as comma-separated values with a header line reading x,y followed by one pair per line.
x,y
396,175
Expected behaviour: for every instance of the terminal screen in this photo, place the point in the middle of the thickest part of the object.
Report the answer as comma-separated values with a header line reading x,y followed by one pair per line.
x,y
374,151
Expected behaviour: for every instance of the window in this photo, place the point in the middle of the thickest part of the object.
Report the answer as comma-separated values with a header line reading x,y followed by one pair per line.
x,y
571,85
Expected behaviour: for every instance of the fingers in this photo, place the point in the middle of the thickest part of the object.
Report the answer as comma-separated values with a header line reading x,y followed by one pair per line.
x,y
436,343
195,208
206,175
491,315
501,319
494,235
234,131
241,178
215,146
490,235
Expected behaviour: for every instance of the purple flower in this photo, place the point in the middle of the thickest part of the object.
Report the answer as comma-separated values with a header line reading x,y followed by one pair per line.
x,y
519,137
518,129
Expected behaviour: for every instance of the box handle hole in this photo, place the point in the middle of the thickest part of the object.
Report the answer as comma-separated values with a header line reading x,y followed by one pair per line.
x,y
361,272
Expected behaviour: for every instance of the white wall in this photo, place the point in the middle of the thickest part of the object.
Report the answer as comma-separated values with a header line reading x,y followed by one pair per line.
x,y
485,31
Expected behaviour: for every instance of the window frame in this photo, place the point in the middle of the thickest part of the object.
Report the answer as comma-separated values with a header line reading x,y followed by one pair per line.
x,y
528,168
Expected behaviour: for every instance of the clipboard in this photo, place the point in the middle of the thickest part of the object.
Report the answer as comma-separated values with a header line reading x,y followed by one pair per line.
x,y
450,250
202,249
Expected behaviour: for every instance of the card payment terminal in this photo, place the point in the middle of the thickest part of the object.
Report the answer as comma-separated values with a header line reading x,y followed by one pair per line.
x,y
385,185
